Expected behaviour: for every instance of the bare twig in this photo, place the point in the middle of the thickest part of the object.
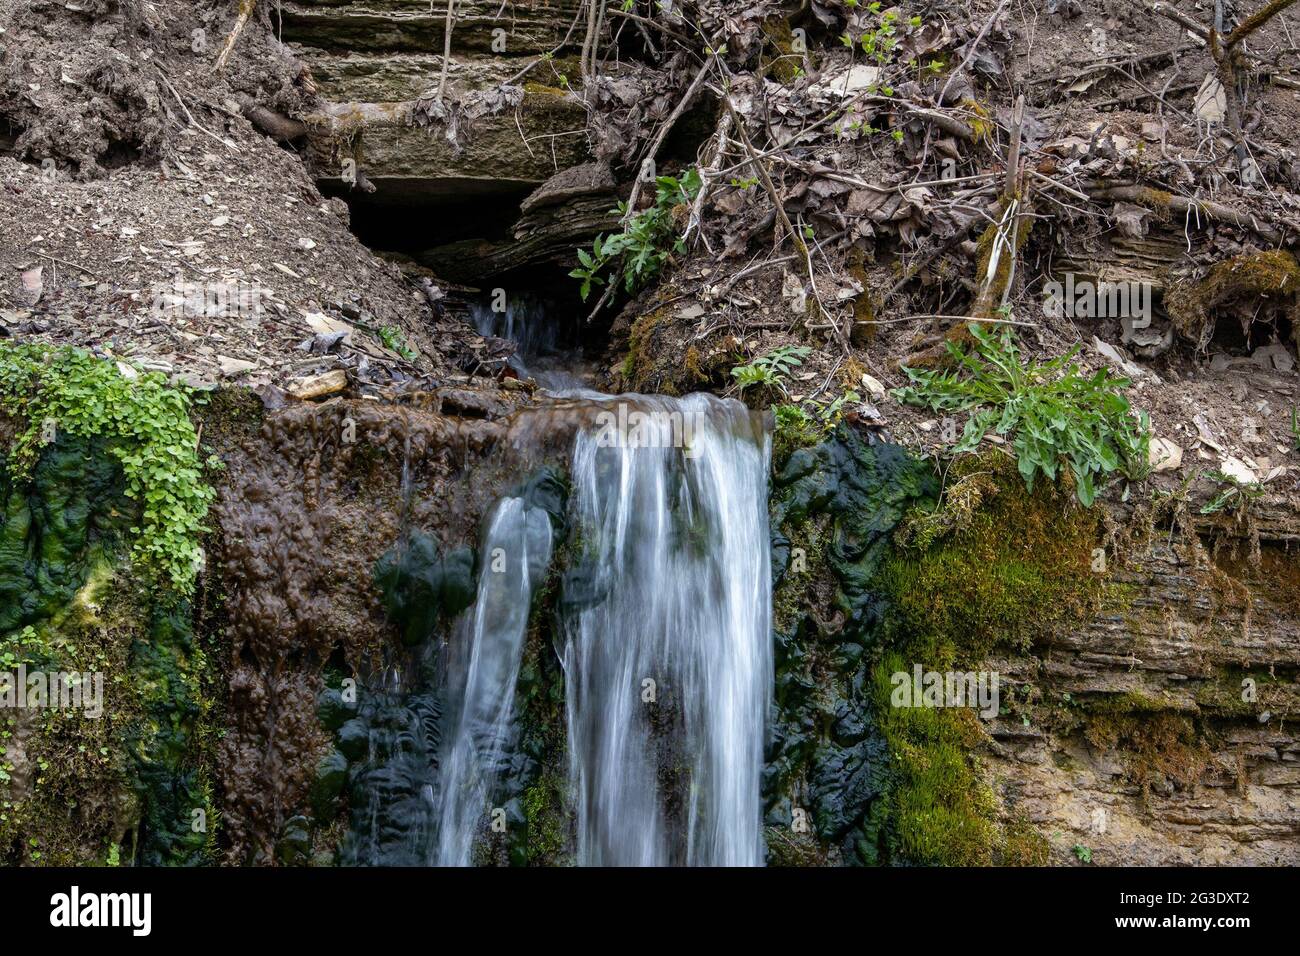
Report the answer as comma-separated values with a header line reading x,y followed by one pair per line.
x,y
970,52
245,11
546,56
446,46
658,141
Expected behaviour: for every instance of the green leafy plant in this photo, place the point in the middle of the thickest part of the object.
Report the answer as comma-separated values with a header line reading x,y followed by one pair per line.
x,y
392,338
1232,492
1049,411
639,253
1295,429
1082,853
772,369
790,416
880,41
146,426
28,647
829,412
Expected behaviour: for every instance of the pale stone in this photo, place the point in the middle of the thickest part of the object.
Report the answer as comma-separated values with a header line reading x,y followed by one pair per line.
x,y
1164,455
318,386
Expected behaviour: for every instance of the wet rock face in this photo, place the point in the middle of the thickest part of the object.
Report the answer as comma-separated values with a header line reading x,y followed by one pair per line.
x,y
345,537
828,765
390,753
313,498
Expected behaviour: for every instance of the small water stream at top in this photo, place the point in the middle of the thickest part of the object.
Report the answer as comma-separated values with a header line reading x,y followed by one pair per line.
x,y
541,351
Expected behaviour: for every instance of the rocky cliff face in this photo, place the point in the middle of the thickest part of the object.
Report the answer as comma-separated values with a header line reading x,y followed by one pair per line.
x,y
386,53
1161,728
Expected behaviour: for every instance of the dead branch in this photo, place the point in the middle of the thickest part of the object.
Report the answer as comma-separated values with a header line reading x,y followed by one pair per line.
x,y
245,11
273,124
709,172
1183,206
766,179
682,105
1255,21
446,46
970,51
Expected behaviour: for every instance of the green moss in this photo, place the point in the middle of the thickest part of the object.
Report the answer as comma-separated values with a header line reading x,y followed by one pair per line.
x,y
543,840
981,121
1002,566
990,566
1272,276
942,813
541,89
794,429
543,813
639,368
809,579
143,423
1158,200
782,64
834,506
1023,845
1153,743
1224,694
785,848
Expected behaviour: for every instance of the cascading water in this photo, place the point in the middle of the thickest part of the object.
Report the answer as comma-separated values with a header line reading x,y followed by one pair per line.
x,y
543,351
668,661
665,646
516,553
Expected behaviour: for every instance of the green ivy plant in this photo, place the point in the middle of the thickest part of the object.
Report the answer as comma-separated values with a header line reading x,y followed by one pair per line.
x,y
146,426
1049,411
639,253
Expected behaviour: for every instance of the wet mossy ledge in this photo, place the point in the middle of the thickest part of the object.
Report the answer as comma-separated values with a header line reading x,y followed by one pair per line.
x,y
102,502
877,571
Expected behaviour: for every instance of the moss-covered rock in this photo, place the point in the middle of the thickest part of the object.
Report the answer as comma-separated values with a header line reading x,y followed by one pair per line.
x,y
991,566
125,777
1264,283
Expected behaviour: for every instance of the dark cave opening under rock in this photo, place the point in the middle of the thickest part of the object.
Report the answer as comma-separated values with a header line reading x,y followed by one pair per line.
x,y
460,233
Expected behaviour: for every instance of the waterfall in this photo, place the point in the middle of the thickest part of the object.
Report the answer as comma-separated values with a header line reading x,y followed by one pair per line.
x,y
668,661
665,638
544,351
523,320
516,553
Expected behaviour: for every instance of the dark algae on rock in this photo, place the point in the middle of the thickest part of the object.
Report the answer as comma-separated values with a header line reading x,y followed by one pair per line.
x,y
828,776
878,573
